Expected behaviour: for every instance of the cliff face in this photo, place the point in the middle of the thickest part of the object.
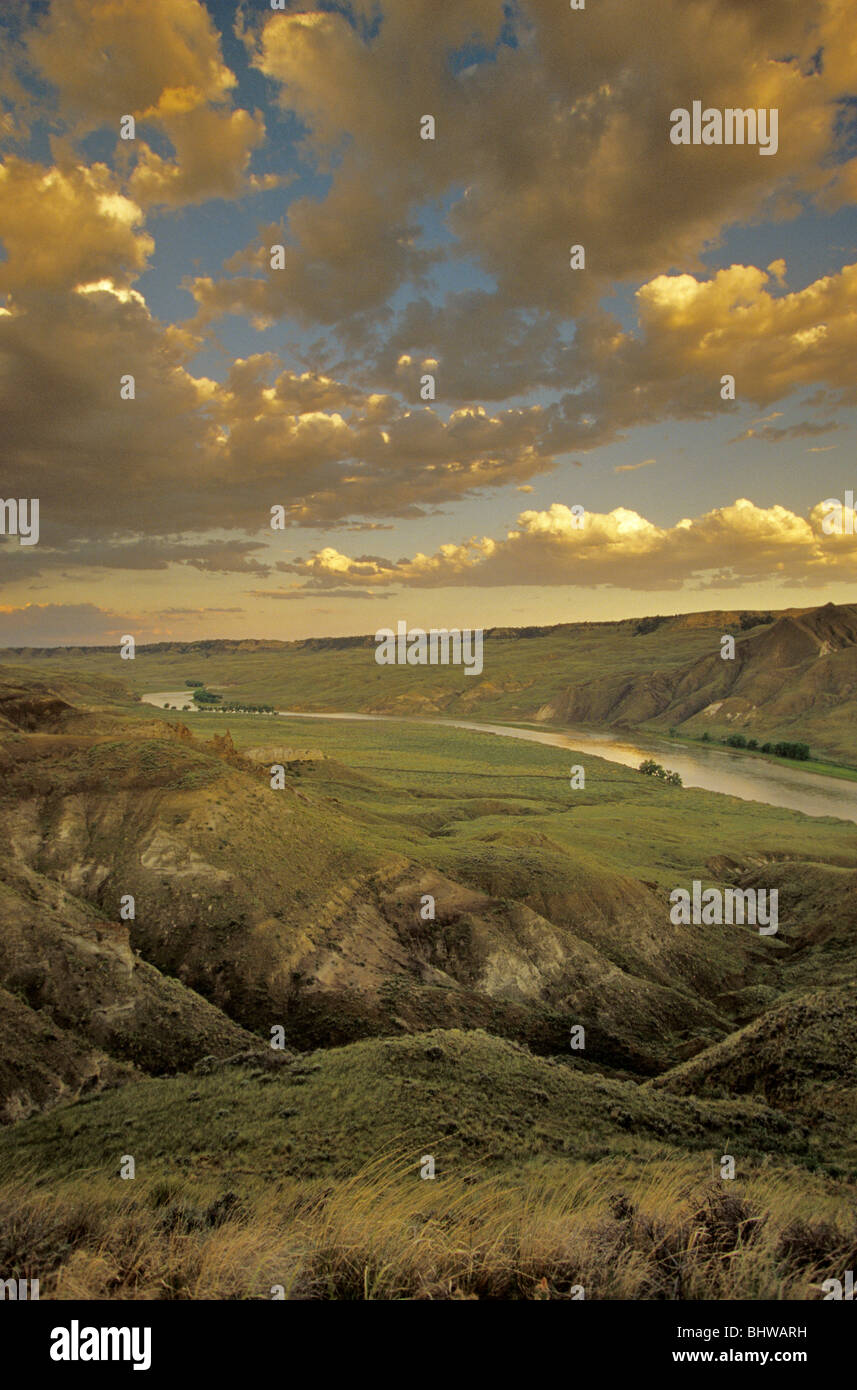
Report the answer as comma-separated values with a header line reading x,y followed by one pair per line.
x,y
797,674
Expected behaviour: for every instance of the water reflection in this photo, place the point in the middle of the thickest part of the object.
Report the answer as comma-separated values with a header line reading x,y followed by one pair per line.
x,y
711,769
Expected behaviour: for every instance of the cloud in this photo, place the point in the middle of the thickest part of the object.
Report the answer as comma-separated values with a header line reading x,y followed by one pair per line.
x,y
689,333
65,624
729,546
102,466
770,344
191,455
232,556
553,142
67,225
107,57
298,592
632,467
213,148
547,141
88,624
803,429
350,254
461,334
362,455
160,62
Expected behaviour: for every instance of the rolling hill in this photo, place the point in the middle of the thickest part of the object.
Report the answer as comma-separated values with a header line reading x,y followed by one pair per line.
x,y
301,909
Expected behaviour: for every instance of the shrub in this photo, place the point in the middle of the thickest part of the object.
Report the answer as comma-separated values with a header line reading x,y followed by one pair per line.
x,y
653,769
647,625
797,751
800,751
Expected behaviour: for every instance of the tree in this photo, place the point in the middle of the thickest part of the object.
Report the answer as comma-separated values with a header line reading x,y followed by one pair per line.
x,y
755,620
647,625
800,751
653,769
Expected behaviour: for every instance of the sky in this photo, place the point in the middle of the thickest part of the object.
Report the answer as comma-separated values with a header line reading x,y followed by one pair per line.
x,y
283,469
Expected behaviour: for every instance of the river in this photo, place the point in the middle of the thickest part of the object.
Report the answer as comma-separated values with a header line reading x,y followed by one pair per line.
x,y
722,770
712,769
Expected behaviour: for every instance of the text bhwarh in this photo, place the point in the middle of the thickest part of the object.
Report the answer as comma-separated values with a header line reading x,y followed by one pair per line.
x,y
437,646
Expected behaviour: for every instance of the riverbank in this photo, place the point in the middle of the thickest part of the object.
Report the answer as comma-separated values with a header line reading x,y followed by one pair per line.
x,y
773,781
706,766
815,765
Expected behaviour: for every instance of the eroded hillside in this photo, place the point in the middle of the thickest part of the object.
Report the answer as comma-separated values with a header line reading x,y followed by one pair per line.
x,y
793,677
303,907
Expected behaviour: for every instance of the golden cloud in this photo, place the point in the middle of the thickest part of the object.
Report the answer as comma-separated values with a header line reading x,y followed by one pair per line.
x,y
161,63
67,225
213,148
107,58
553,143
692,332
728,546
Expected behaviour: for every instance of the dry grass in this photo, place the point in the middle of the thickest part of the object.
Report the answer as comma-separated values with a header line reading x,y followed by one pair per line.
x,y
657,1233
